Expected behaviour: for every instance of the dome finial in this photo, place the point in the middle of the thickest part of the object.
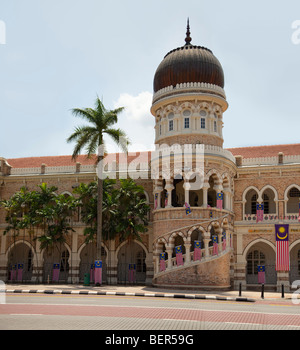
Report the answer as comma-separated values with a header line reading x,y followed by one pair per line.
x,y
188,38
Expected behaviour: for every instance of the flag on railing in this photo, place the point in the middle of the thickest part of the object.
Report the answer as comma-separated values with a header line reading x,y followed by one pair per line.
x,y
282,247
14,272
299,213
166,199
98,272
156,198
20,272
92,273
162,262
179,257
215,245
224,240
197,250
131,273
261,274
187,208
259,212
220,200
55,274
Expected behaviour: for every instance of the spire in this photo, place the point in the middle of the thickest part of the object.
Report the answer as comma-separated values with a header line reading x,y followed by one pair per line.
x,y
188,38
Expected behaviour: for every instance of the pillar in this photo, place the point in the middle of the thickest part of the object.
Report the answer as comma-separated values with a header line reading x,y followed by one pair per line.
x,y
169,187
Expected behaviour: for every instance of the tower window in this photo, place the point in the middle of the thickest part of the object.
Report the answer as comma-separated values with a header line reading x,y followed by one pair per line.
x,y
215,126
160,130
202,123
171,125
186,123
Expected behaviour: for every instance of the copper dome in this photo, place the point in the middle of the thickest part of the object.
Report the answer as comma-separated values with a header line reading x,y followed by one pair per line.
x,y
188,64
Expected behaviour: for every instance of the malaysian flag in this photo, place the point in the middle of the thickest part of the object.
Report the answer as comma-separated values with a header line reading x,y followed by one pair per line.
x,y
215,245
92,272
55,274
156,197
282,247
220,200
166,199
162,261
179,257
259,212
197,250
98,272
187,209
261,274
131,273
20,272
224,240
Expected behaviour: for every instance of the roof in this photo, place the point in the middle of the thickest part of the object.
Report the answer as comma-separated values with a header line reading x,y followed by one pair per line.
x,y
34,162
246,152
266,151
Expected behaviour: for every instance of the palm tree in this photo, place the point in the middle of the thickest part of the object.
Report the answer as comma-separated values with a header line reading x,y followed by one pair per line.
x,y
90,138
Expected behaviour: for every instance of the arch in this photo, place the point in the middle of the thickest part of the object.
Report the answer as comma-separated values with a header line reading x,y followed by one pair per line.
x,y
67,193
260,252
131,252
216,176
174,235
21,252
247,190
14,244
272,189
292,199
251,244
191,230
287,190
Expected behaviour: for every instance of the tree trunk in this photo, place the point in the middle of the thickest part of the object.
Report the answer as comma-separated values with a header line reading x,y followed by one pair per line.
x,y
99,207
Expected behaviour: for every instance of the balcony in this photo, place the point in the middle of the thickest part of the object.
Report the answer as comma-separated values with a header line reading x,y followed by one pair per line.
x,y
272,218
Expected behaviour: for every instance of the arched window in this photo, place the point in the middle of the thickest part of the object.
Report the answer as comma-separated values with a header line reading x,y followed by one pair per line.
x,y
253,203
293,200
255,258
266,204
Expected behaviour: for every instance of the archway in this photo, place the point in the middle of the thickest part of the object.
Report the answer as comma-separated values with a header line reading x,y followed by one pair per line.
x,y
20,257
260,253
131,253
295,262
87,261
59,256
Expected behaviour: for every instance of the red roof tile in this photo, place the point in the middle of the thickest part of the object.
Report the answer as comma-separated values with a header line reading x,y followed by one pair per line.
x,y
35,162
266,151
246,152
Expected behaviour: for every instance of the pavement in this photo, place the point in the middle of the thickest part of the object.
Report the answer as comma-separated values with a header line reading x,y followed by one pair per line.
x,y
147,291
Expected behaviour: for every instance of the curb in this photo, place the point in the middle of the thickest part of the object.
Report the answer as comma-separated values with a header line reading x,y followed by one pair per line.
x,y
157,295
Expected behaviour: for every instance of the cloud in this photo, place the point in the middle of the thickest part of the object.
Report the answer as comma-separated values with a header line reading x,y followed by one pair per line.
x,y
137,108
136,120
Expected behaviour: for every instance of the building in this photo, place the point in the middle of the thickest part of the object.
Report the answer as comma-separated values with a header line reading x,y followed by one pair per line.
x,y
197,190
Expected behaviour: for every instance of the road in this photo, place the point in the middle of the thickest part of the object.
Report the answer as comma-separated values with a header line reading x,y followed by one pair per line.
x,y
87,312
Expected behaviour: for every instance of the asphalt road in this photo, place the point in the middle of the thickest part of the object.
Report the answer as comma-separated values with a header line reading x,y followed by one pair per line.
x,y
117,313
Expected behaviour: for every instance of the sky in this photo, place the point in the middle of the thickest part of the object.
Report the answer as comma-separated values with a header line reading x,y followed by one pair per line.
x,y
56,55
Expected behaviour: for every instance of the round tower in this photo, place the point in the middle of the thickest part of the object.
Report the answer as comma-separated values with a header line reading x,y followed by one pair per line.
x,y
192,173
189,98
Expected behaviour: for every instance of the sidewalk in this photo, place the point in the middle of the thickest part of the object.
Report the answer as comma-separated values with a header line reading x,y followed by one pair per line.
x,y
145,291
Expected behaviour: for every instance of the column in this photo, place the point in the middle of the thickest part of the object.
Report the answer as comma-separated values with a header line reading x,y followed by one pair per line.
x,y
206,247
169,252
187,253
186,187
205,189
169,187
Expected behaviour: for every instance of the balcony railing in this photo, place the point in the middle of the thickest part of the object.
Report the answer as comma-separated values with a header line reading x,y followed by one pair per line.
x,y
251,218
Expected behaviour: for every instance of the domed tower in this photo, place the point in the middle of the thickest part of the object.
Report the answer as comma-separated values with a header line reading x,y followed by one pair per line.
x,y
193,174
189,98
